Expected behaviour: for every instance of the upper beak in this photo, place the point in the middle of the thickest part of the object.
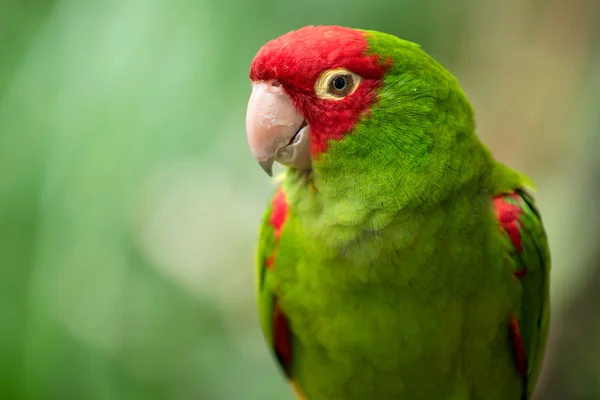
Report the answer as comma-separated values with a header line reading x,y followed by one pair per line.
x,y
276,131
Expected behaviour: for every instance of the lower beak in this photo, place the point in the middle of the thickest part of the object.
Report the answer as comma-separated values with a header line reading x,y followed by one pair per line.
x,y
276,131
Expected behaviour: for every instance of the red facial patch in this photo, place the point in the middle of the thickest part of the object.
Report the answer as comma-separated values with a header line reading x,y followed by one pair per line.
x,y
298,58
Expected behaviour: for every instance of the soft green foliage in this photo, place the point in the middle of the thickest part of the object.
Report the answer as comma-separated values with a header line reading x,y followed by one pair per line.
x,y
391,266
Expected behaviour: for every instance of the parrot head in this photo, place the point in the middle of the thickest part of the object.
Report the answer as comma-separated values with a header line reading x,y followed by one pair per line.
x,y
359,105
309,86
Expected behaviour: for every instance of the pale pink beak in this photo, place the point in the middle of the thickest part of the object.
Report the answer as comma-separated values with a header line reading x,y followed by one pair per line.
x,y
276,131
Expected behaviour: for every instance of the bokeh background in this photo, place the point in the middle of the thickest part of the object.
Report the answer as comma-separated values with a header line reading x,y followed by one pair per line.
x,y
129,202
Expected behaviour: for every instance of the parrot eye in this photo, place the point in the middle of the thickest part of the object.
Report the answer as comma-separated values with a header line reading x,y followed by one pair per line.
x,y
336,84
340,85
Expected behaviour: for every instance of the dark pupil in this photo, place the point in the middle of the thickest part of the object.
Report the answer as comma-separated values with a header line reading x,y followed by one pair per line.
x,y
340,83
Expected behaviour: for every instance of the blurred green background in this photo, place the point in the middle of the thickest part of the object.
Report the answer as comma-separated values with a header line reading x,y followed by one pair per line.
x,y
129,201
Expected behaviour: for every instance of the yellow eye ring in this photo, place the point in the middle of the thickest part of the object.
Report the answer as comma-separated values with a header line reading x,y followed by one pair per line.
x,y
336,84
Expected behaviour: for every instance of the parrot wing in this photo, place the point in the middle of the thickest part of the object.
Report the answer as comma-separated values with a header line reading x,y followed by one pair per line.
x,y
273,322
529,258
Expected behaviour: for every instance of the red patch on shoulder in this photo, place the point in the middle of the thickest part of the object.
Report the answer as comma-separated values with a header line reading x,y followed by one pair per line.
x,y
270,261
279,213
518,347
282,338
509,216
297,59
277,219
520,273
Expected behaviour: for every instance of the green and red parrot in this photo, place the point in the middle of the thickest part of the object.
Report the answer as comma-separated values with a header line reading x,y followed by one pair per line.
x,y
397,259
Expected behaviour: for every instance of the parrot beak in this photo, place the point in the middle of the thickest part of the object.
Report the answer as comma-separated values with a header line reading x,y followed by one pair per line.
x,y
276,131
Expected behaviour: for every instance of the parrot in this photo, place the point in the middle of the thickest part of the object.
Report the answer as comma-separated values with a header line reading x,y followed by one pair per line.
x,y
397,258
